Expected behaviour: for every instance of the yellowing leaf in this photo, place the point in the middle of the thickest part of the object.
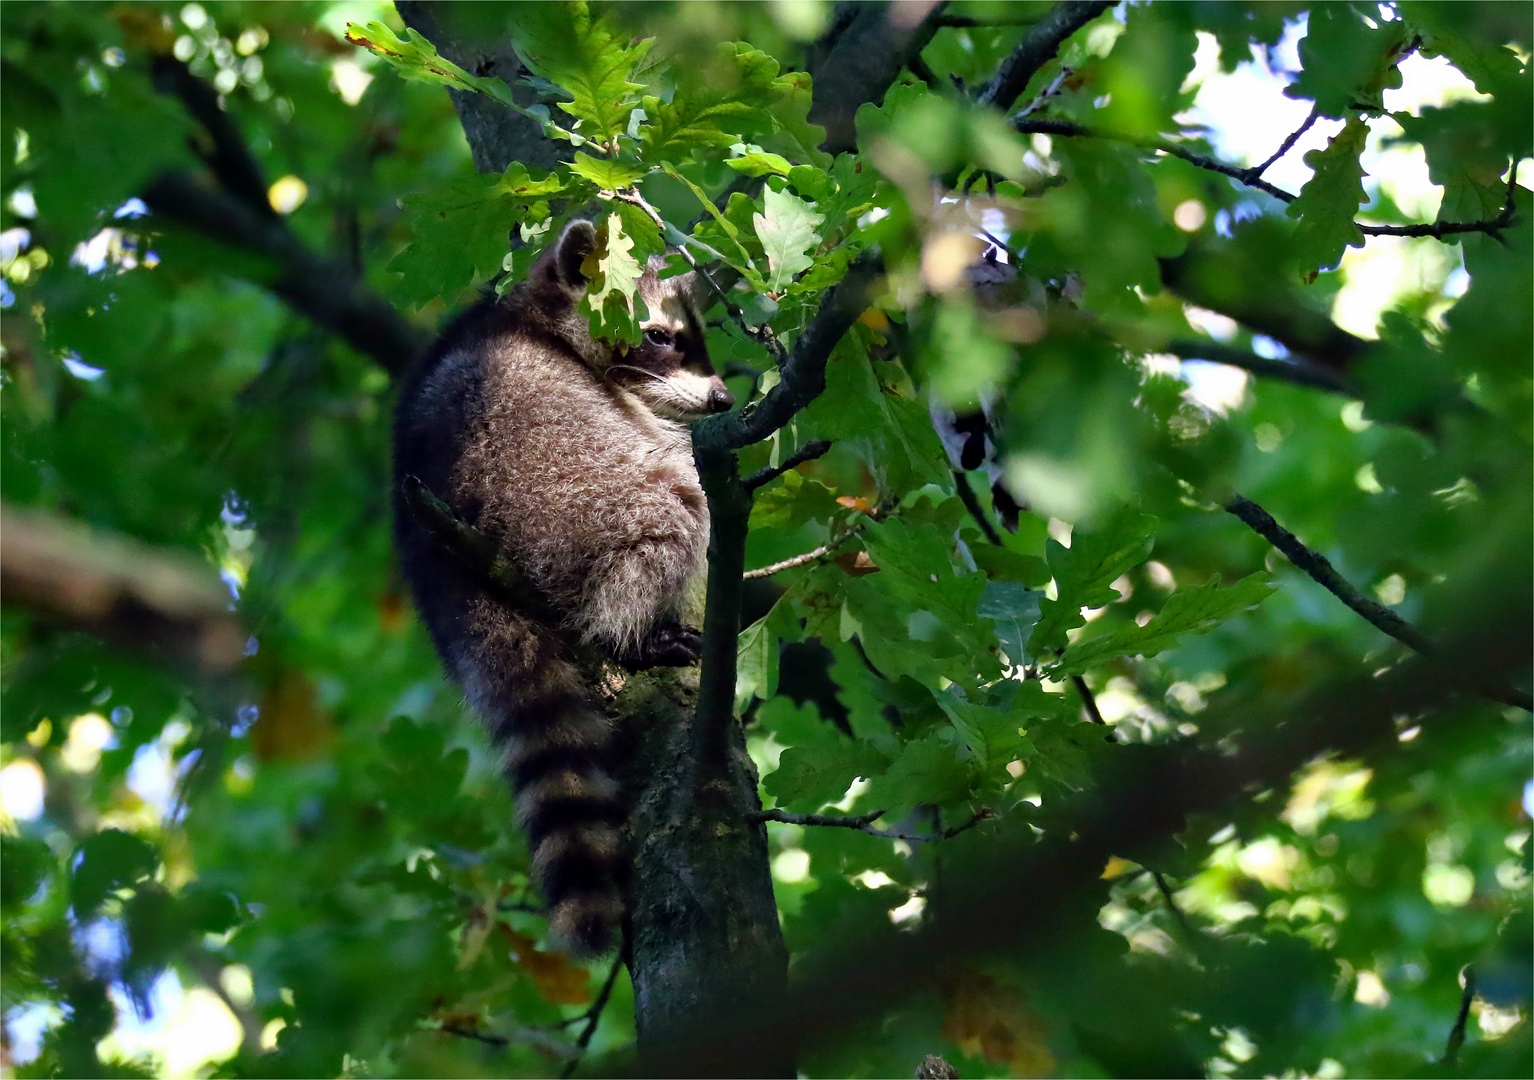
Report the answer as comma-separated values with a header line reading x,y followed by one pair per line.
x,y
558,980
993,1021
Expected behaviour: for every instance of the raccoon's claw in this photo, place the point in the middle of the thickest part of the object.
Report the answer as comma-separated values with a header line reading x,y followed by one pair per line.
x,y
669,645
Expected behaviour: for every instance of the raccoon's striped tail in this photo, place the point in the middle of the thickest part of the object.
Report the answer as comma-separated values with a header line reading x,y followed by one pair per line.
x,y
572,811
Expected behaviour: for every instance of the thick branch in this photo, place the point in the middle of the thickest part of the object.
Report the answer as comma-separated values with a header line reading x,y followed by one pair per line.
x,y
478,552
123,591
804,376
1325,574
1301,372
228,156
324,290
473,36
865,59
1038,47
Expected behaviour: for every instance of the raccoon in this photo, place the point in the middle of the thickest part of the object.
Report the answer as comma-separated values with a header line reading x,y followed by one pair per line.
x,y
574,455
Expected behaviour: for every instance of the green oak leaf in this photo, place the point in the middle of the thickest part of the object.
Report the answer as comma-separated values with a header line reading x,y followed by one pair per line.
x,y
1345,62
1192,610
462,231
1084,571
730,96
927,771
416,58
1014,609
1329,200
787,232
590,59
752,160
613,296
609,175
994,735
810,776
756,670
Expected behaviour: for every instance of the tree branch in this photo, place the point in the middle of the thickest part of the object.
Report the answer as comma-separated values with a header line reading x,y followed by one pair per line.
x,y
864,823
324,290
122,590
799,560
867,56
972,504
1288,144
1323,573
1457,1032
804,375
475,39
1301,372
1071,129
1088,700
592,1017
808,452
228,156
1037,48
1252,178
477,552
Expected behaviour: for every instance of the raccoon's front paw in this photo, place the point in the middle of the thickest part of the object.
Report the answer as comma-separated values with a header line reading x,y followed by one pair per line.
x,y
669,645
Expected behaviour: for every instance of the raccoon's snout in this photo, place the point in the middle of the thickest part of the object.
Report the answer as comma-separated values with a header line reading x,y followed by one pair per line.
x,y
719,397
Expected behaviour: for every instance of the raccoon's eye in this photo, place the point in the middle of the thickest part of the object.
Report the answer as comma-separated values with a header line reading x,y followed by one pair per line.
x,y
656,336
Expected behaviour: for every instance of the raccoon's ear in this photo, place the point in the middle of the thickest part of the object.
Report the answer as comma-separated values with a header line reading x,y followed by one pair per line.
x,y
696,291
568,253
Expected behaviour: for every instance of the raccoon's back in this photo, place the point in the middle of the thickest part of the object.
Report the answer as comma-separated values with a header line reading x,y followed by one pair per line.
x,y
516,673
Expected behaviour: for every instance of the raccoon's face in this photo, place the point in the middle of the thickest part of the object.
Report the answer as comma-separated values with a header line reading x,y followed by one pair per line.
x,y
669,370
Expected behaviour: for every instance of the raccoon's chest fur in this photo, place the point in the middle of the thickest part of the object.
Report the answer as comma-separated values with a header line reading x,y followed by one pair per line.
x,y
568,470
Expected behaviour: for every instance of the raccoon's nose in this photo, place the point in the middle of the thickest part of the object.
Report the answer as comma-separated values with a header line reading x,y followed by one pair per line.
x,y
719,397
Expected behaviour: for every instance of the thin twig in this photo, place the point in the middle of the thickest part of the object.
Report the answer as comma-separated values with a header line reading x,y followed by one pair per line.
x,y
592,1016
1048,92
1194,939
808,452
972,504
1321,571
1457,1032
1071,129
862,823
1257,170
799,560
1436,230
1088,700
479,1036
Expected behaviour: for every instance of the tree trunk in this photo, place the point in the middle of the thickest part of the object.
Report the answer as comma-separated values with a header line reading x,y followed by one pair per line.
x,y
704,935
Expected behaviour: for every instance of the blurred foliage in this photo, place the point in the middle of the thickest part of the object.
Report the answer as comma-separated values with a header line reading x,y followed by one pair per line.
x,y
322,848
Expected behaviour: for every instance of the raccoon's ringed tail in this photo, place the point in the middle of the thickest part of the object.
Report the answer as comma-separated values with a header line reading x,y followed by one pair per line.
x,y
572,811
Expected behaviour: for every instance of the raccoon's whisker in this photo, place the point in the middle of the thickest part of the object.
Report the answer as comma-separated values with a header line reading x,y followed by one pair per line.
x,y
640,370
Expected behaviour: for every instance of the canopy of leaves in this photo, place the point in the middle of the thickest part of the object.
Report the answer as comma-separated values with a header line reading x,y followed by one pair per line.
x,y
304,863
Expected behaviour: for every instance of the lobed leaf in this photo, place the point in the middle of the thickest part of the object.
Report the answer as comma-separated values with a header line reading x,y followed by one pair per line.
x,y
1187,611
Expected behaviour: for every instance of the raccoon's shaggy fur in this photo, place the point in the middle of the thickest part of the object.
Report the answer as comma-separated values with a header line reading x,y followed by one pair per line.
x,y
575,457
